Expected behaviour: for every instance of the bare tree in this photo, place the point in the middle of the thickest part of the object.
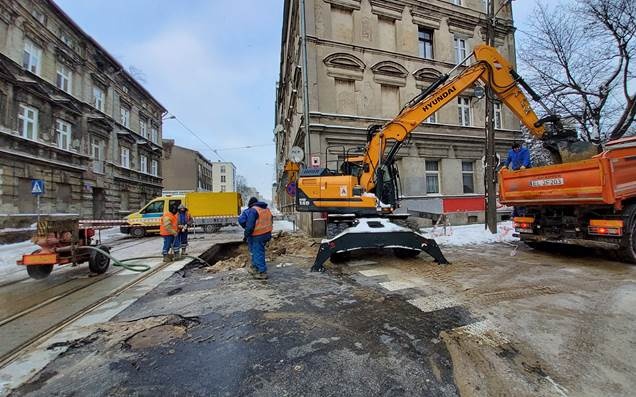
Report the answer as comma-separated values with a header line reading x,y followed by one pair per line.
x,y
580,58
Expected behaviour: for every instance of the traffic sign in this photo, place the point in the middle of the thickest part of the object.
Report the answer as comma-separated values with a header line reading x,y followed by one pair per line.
x,y
291,188
37,187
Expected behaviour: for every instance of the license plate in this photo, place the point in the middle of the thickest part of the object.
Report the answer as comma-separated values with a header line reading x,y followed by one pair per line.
x,y
547,182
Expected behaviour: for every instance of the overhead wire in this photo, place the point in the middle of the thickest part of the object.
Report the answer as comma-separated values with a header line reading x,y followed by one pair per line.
x,y
215,151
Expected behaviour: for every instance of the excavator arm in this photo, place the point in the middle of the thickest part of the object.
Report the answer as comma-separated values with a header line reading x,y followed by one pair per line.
x,y
491,68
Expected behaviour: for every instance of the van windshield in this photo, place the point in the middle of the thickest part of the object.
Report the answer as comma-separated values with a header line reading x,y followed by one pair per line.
x,y
154,207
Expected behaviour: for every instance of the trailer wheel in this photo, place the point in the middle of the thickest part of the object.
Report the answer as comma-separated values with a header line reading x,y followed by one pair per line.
x,y
39,272
211,228
98,262
404,253
628,251
137,232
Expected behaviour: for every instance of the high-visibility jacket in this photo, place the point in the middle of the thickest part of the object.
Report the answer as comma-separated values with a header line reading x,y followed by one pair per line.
x,y
168,225
264,222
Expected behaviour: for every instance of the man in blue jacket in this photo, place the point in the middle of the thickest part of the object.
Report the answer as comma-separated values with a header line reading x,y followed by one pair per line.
x,y
518,158
258,223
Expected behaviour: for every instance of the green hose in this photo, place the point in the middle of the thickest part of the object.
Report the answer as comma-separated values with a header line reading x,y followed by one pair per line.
x,y
136,267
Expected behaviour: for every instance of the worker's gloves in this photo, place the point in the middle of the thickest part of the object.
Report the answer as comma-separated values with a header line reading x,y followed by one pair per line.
x,y
523,167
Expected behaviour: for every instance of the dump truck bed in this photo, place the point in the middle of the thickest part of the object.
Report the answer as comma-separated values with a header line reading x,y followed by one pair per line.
x,y
607,179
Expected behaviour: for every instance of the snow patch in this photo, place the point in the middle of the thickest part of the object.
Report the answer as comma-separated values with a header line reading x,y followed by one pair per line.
x,y
471,234
286,226
10,253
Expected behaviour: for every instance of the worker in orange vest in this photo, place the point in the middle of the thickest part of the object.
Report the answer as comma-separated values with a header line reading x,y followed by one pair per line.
x,y
258,223
168,229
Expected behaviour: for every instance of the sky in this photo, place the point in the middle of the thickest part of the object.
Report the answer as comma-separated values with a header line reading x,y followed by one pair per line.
x,y
212,64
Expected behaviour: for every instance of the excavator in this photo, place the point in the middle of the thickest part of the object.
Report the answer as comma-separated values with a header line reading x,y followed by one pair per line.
x,y
361,196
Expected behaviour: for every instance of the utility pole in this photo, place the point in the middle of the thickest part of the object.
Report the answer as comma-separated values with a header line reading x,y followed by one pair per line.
x,y
491,160
303,33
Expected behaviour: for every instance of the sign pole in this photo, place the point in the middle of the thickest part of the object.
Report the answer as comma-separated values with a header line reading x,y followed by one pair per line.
x,y
38,204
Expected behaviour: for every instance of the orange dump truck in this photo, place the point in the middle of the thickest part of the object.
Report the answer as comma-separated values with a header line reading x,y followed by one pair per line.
x,y
590,202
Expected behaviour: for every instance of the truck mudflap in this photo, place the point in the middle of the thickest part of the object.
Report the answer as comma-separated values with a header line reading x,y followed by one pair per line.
x,y
374,233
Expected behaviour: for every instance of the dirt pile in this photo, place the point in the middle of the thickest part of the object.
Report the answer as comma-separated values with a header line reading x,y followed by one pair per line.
x,y
295,244
282,243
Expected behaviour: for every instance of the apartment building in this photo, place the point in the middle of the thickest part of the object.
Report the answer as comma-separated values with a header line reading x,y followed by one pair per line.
x,y
223,176
71,115
186,169
366,59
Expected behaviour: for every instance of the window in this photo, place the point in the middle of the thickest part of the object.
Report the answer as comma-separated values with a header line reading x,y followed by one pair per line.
x,y
457,2
28,122
31,57
468,176
432,119
463,106
425,37
143,164
460,50
154,208
124,158
63,134
223,178
143,128
484,5
124,117
98,98
64,78
39,15
498,115
154,167
222,188
66,39
96,151
432,176
223,169
154,134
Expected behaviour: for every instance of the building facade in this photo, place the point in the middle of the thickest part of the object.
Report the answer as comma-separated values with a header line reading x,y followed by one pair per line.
x,y
366,59
72,116
223,176
185,169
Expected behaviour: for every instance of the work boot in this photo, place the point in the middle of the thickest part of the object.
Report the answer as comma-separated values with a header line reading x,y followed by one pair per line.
x,y
170,257
183,251
252,270
177,255
166,258
260,276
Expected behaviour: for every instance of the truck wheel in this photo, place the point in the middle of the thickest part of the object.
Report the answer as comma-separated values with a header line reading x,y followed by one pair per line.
x,y
39,272
404,253
137,232
98,262
211,228
628,251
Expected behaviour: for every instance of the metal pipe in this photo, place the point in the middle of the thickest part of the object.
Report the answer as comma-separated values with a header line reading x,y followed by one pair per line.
x,y
303,32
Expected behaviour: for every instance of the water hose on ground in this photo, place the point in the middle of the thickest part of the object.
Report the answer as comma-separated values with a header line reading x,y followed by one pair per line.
x,y
136,267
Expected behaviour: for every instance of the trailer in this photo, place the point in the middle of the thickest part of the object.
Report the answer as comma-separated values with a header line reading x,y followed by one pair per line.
x,y
63,241
590,202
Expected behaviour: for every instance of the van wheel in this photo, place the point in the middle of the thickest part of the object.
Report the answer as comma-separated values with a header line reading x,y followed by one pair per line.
x,y
628,251
137,232
39,272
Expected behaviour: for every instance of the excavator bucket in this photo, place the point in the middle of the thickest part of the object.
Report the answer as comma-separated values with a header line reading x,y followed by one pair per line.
x,y
373,233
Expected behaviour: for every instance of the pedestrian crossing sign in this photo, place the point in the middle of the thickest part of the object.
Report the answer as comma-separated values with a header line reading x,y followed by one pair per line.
x,y
37,187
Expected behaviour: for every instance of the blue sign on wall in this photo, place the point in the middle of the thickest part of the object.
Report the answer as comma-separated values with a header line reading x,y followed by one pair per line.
x,y
37,187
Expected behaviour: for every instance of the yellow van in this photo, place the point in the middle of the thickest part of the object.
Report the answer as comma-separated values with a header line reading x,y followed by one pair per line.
x,y
209,210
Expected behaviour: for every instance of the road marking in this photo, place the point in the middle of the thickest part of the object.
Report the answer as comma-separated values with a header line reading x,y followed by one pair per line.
x,y
433,303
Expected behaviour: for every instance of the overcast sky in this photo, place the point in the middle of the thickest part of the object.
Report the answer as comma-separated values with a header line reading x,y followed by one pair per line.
x,y
213,64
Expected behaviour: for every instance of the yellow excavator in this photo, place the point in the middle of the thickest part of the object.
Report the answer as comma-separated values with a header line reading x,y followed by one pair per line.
x,y
359,198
